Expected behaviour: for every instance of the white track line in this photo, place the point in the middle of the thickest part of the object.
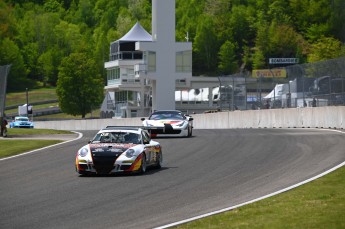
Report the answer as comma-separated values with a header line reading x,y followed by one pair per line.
x,y
257,199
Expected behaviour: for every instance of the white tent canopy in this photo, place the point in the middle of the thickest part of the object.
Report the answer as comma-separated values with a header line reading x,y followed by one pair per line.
x,y
276,93
137,33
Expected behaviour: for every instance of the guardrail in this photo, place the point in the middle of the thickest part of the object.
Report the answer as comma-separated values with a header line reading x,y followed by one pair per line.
x,y
313,117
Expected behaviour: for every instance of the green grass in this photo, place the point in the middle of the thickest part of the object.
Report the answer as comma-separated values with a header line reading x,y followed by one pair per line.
x,y
17,146
23,131
35,95
94,114
14,147
35,107
318,204
39,95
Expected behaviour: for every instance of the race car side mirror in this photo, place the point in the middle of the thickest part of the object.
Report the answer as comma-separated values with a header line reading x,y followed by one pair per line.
x,y
142,119
146,141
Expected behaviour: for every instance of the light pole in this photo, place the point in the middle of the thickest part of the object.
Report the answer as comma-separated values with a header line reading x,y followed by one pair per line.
x,y
233,94
27,103
274,89
289,95
220,86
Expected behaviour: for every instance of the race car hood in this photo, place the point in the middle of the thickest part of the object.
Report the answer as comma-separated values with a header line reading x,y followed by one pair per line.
x,y
23,122
104,155
162,122
106,148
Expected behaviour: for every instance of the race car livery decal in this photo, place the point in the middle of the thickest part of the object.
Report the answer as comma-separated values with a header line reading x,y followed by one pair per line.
x,y
136,164
113,145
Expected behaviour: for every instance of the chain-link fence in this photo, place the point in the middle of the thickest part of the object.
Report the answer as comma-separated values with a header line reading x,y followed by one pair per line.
x,y
304,85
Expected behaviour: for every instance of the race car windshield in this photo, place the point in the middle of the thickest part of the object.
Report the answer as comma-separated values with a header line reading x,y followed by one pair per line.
x,y
159,116
117,137
22,119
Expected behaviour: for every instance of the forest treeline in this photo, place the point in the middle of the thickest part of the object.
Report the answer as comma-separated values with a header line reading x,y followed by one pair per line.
x,y
228,35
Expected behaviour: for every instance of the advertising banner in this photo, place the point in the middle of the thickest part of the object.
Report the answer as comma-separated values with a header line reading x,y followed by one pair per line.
x,y
269,73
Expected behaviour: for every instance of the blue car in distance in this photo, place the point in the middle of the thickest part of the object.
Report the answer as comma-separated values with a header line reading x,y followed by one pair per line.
x,y
21,122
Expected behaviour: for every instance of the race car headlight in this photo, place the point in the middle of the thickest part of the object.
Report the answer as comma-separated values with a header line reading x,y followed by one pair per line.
x,y
181,124
130,153
83,152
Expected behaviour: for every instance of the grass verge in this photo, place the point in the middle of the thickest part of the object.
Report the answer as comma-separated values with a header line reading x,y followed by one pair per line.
x,y
35,95
318,204
23,131
9,147
17,146
94,114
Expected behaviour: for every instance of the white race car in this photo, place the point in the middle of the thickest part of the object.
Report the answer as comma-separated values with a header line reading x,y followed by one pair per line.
x,y
169,123
119,149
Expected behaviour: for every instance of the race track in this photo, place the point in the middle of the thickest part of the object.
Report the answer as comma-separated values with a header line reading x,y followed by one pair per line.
x,y
214,169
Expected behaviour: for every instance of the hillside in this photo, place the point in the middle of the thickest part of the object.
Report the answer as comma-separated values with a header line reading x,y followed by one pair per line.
x,y
44,102
227,36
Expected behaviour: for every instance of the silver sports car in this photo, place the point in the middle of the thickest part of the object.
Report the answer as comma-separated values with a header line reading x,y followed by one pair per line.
x,y
119,149
169,123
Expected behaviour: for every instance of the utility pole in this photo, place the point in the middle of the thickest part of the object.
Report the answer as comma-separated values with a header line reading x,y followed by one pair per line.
x,y
27,103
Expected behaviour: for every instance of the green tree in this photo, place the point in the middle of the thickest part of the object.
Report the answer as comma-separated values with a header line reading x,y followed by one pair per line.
x,y
187,14
337,19
105,13
227,56
139,8
48,64
45,31
10,54
7,21
52,6
84,13
259,60
325,48
284,41
79,86
124,21
205,47
262,45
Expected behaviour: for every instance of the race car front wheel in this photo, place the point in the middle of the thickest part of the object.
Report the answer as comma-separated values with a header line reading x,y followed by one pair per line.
x,y
143,164
159,160
189,133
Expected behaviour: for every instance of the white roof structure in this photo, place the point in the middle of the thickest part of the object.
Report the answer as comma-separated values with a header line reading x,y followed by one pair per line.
x,y
276,92
137,33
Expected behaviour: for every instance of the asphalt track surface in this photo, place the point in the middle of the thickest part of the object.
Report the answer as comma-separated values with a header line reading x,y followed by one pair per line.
x,y
214,169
